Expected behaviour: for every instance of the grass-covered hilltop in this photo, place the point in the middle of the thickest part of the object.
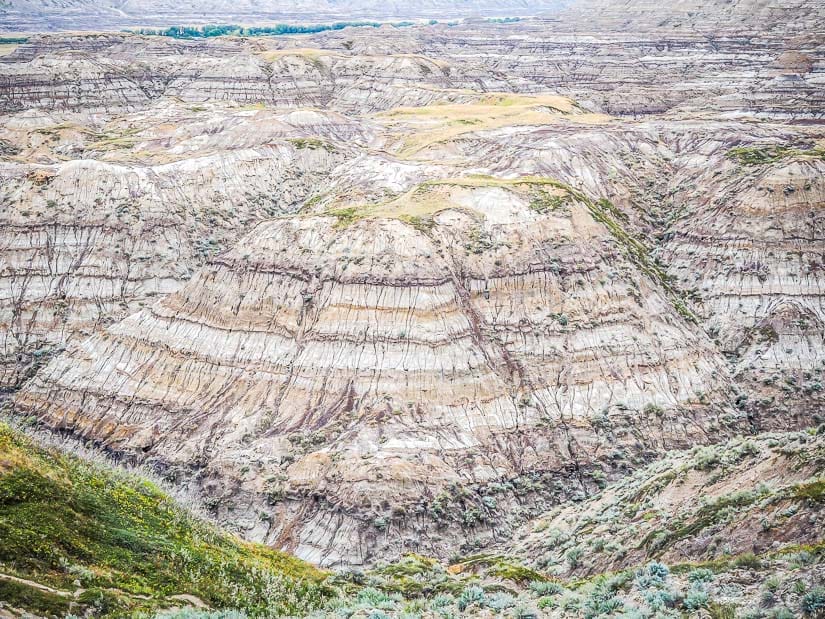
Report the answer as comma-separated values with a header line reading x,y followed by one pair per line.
x,y
85,539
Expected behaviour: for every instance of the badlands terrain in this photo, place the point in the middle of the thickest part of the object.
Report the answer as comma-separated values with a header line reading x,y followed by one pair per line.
x,y
494,316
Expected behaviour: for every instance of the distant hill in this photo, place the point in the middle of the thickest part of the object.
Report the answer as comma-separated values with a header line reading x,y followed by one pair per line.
x,y
41,15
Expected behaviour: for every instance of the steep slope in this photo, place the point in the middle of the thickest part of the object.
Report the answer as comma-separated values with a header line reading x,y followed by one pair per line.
x,y
752,252
115,213
77,537
741,240
760,498
383,379
751,495
110,543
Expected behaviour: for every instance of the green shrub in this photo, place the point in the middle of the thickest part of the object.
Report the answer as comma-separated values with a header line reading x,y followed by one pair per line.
x,y
374,598
441,600
748,560
721,611
652,576
696,599
813,603
601,601
700,575
542,588
772,584
572,556
500,601
570,602
472,595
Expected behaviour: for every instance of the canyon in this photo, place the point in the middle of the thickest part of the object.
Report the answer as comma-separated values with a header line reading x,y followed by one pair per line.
x,y
492,288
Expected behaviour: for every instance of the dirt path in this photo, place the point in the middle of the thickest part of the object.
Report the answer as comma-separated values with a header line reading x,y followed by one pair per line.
x,y
36,585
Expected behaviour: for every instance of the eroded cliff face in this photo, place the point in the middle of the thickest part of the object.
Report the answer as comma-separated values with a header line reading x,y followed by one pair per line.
x,y
377,291
102,72
740,58
751,255
99,218
359,384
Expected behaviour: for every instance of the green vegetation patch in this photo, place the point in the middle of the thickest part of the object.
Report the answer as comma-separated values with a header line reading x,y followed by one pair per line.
x,y
499,567
813,492
219,30
311,144
34,600
64,520
761,155
708,515
347,216
544,202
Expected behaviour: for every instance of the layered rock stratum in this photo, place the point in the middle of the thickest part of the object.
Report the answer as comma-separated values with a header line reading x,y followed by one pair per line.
x,y
384,290
370,367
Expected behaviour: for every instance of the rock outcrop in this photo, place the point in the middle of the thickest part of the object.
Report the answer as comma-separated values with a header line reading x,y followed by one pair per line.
x,y
347,386
752,255
90,235
746,497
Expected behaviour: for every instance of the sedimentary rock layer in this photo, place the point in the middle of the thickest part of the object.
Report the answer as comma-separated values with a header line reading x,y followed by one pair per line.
x,y
753,254
100,72
748,58
87,240
350,386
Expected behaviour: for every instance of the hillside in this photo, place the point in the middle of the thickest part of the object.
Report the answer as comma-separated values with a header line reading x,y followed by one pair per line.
x,y
87,538
753,495
77,537
346,292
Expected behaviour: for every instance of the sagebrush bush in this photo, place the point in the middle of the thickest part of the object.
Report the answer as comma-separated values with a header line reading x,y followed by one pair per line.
x,y
543,588
700,575
696,599
813,603
472,595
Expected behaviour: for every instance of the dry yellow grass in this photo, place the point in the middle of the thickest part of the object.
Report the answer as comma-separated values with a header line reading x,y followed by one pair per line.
x,y
309,53
427,199
440,123
7,48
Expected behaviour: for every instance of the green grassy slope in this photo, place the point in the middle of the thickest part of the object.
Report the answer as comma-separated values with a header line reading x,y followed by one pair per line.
x,y
71,525
84,539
